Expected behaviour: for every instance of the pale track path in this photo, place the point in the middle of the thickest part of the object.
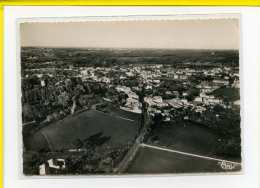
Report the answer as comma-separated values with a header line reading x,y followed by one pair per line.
x,y
188,154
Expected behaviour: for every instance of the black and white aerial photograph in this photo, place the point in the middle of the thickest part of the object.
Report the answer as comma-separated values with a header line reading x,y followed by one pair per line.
x,y
130,97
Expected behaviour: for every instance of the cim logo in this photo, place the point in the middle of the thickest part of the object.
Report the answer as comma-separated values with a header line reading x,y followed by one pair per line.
x,y
225,165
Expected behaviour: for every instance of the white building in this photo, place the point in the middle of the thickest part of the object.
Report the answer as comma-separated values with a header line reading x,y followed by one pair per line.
x,y
155,101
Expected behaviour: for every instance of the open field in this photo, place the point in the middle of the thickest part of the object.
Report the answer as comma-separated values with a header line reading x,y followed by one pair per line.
x,y
61,134
190,137
152,160
187,137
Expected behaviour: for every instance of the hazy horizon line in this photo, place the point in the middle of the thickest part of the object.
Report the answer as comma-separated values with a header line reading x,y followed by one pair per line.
x,y
129,48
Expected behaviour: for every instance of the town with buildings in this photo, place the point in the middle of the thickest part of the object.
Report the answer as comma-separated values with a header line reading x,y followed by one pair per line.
x,y
127,111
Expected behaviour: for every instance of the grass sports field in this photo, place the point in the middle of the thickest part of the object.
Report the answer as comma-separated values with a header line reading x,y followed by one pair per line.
x,y
61,134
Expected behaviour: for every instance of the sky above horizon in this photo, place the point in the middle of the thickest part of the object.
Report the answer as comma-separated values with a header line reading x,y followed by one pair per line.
x,y
170,34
